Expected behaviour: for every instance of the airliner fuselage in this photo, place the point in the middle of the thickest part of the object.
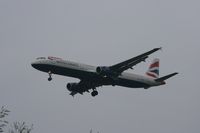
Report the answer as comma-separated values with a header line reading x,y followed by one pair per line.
x,y
95,76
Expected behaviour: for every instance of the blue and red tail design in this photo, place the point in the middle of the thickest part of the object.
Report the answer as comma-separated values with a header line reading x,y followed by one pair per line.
x,y
153,70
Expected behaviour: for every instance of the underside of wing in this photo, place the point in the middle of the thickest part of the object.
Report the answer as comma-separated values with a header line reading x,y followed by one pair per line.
x,y
88,84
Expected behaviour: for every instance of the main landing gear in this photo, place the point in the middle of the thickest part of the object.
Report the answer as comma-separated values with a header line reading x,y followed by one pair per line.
x,y
94,93
50,78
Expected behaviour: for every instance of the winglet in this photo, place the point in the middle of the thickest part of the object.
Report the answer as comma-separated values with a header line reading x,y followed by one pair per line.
x,y
165,77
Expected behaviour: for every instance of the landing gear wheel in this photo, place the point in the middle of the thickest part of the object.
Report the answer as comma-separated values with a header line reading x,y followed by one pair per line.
x,y
94,93
49,79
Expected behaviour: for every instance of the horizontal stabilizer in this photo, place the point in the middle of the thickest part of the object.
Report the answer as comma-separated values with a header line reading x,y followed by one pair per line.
x,y
165,77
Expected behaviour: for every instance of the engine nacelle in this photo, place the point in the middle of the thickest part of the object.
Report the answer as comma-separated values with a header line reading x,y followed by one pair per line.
x,y
72,86
103,70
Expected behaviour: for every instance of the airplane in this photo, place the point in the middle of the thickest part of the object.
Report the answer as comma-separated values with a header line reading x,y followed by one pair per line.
x,y
92,77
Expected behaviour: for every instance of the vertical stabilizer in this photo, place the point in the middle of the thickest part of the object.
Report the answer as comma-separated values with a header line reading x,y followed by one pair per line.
x,y
153,70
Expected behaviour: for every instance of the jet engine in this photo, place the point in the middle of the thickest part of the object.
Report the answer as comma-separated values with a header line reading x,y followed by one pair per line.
x,y
103,70
72,86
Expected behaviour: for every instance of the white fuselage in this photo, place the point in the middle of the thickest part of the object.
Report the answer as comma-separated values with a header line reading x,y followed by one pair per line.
x,y
83,71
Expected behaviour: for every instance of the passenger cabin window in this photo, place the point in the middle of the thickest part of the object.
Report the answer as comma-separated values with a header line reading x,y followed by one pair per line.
x,y
41,58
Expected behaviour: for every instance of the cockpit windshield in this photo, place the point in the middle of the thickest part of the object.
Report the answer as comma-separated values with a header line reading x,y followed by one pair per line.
x,y
40,58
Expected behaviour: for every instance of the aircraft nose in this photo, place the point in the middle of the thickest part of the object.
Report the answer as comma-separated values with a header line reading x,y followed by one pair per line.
x,y
34,65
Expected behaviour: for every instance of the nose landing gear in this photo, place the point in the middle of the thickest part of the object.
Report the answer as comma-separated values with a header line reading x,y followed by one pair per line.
x,y
50,78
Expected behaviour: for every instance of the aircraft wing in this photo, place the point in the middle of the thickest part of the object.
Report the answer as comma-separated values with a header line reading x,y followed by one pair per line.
x,y
122,66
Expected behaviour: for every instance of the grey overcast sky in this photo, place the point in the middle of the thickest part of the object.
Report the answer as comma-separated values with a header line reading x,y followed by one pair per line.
x,y
101,32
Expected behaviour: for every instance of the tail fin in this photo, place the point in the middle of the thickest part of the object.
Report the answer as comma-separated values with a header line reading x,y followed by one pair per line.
x,y
153,70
